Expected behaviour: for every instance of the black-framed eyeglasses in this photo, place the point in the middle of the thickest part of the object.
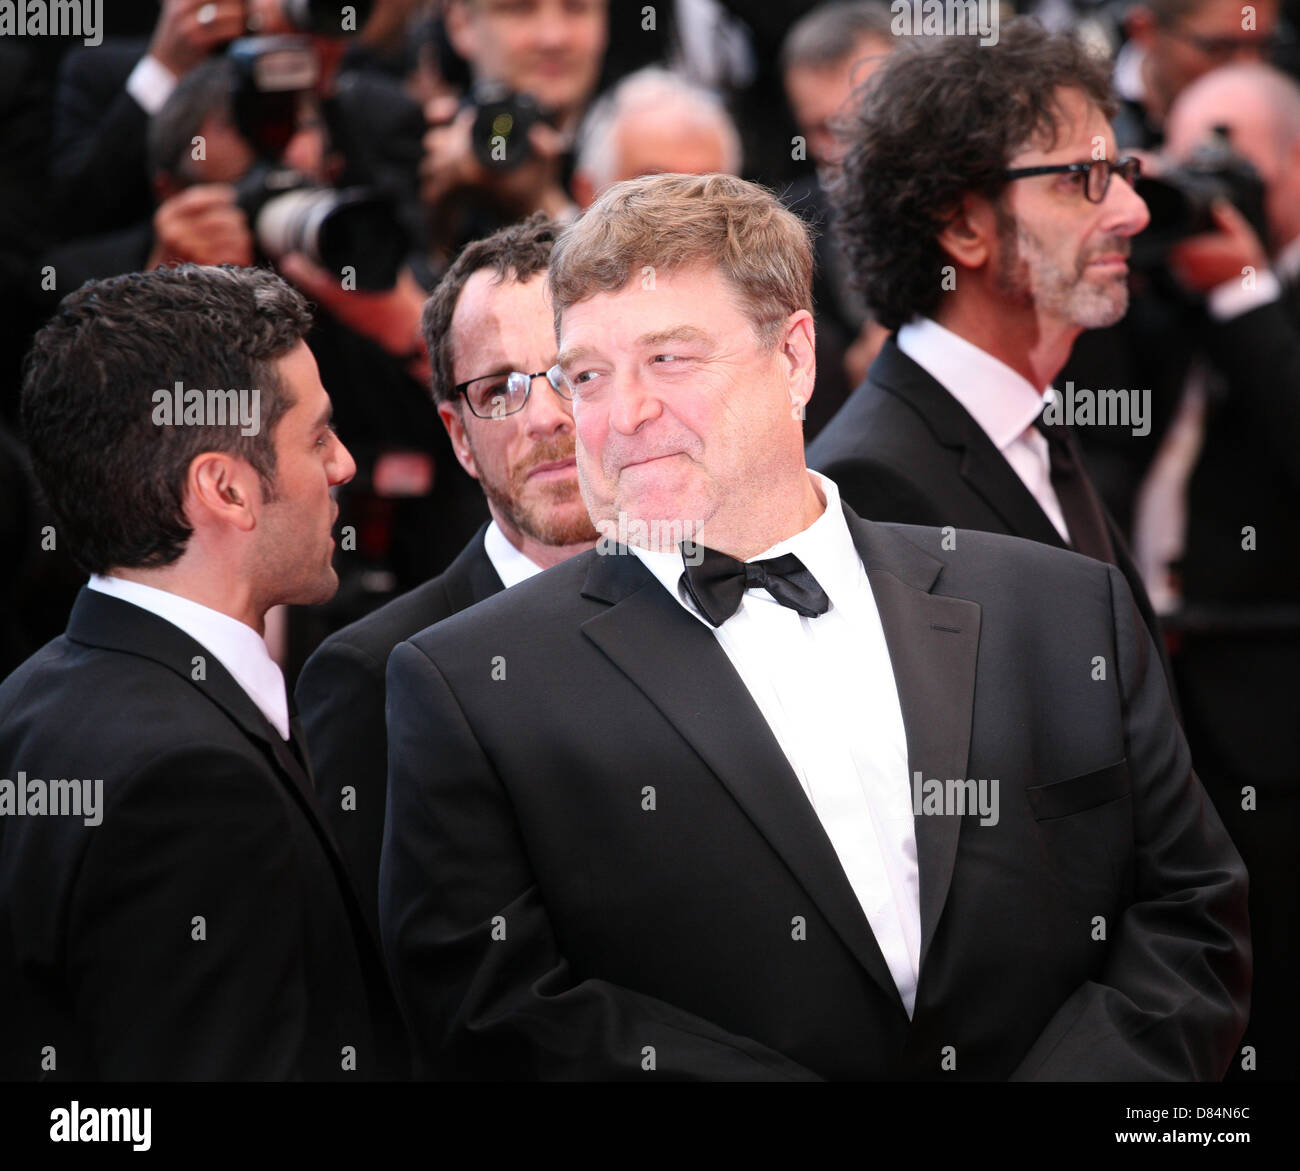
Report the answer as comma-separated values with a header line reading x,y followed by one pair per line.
x,y
1097,174
493,396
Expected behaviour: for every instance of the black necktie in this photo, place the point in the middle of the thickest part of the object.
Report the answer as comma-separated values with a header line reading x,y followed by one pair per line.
x,y
717,584
1079,502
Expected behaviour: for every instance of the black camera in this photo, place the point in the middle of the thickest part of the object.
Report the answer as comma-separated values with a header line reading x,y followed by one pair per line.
x,y
358,227
327,18
1180,199
501,124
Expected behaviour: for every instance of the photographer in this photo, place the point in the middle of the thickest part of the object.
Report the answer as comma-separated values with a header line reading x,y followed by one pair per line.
x,y
503,151
107,94
1172,43
1214,331
414,507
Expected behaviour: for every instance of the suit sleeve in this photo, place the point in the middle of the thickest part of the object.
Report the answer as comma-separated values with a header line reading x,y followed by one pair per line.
x,y
1174,995
187,927
99,160
1260,351
340,695
480,975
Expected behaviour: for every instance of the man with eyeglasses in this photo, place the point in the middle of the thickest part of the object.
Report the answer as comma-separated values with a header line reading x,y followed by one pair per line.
x,y
990,243
487,325
1172,43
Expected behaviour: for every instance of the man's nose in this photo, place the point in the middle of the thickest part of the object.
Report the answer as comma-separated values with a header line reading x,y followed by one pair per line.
x,y
1126,212
343,467
632,402
547,411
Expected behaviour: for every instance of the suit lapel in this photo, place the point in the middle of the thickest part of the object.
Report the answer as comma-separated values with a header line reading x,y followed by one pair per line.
x,y
471,577
933,641
103,621
681,669
982,466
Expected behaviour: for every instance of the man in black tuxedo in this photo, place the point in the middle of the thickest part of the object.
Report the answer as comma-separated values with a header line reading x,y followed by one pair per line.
x,y
989,244
487,317
179,910
866,805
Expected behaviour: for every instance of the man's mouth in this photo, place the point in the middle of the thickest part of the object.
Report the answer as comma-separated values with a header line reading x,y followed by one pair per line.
x,y
1109,260
555,469
649,459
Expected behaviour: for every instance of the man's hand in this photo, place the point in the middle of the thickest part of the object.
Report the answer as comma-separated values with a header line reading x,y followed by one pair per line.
x,y
202,225
1206,261
180,41
450,164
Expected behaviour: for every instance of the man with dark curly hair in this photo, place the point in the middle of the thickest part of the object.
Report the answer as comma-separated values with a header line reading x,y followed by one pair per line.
x,y
987,220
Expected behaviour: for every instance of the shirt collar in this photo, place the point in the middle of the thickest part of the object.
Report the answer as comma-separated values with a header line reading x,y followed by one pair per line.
x,y
825,547
511,565
235,645
1002,401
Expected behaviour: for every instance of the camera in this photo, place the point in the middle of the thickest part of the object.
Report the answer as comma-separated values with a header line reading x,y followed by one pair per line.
x,y
357,227
501,123
1180,199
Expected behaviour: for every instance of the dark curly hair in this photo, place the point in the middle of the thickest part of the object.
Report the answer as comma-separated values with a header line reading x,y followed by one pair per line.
x,y
937,121
114,478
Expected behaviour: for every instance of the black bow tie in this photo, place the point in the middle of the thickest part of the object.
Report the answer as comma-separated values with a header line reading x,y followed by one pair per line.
x,y
718,583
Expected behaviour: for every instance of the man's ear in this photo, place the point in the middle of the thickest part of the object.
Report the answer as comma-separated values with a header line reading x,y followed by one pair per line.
x,y
452,419
460,29
222,489
799,358
968,235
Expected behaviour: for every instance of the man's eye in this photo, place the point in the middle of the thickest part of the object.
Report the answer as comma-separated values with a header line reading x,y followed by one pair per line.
x,y
584,377
669,359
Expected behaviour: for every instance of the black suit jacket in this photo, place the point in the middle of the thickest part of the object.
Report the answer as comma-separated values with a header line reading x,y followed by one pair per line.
x,y
601,858
903,449
206,813
99,162
341,696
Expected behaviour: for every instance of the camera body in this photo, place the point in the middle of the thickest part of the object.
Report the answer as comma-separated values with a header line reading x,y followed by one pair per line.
x,y
502,120
1180,200
356,228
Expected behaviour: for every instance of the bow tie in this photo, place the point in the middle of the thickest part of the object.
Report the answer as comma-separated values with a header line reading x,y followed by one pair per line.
x,y
718,583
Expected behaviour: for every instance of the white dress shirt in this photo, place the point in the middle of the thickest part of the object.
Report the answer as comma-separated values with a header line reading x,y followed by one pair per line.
x,y
236,646
826,688
151,83
1004,404
511,565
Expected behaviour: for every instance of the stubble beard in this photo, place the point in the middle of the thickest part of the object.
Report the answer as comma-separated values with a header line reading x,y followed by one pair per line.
x,y
1028,276
544,512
